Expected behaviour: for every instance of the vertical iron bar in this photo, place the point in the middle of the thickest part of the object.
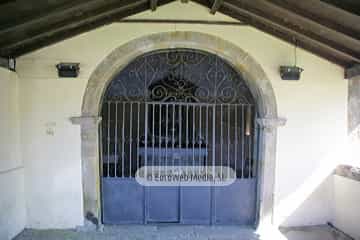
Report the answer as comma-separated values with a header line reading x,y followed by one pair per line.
x,y
153,140
160,137
213,139
108,141
255,146
146,139
212,209
180,119
236,140
173,134
187,135
116,137
221,139
166,136
228,139
130,139
248,121
138,136
200,150
242,141
207,138
123,142
193,138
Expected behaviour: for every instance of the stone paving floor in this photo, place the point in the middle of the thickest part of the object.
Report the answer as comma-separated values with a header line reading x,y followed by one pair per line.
x,y
148,232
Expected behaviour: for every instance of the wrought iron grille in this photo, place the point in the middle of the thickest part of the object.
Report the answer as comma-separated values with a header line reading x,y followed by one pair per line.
x,y
178,107
179,75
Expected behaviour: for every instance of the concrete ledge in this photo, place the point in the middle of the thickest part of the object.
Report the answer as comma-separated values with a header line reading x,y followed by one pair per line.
x,y
348,172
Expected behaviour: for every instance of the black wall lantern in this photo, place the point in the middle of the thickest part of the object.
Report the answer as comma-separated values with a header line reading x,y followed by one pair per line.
x,y
68,70
291,72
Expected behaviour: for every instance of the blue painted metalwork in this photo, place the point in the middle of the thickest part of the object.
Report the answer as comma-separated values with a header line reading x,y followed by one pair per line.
x,y
123,201
236,203
170,108
195,205
162,204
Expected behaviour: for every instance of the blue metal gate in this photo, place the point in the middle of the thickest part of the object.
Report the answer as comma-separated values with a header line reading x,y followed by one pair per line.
x,y
178,107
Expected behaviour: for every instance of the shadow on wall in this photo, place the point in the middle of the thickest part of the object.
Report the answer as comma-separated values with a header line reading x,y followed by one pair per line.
x,y
311,201
314,201
310,204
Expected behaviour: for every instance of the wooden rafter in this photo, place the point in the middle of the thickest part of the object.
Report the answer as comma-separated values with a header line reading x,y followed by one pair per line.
x,y
318,27
301,29
3,2
71,27
311,46
326,18
72,7
74,30
91,16
352,6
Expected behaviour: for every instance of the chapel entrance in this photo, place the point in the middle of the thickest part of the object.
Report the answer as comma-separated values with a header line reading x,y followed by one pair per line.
x,y
178,107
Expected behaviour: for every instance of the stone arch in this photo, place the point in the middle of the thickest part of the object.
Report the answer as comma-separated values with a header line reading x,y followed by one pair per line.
x,y
252,72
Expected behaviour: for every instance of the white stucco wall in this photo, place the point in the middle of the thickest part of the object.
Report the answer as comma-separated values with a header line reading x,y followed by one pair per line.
x,y
309,146
12,201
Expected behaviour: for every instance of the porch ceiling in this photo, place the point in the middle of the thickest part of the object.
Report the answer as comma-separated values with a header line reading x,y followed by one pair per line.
x,y
328,28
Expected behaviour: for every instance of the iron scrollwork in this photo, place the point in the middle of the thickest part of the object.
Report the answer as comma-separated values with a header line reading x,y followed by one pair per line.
x,y
179,75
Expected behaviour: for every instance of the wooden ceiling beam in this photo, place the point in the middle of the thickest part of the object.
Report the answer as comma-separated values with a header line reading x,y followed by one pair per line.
x,y
8,45
307,10
216,5
265,14
351,6
67,29
75,8
72,31
311,46
3,2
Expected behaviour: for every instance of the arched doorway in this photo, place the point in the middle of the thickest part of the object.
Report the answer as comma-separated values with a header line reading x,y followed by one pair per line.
x,y
179,107
252,73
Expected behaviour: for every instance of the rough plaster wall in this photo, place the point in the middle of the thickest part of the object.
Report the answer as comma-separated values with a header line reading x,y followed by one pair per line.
x,y
347,209
12,203
354,122
354,104
309,146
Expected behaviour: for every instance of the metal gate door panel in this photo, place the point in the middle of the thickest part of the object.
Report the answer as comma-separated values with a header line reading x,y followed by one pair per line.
x,y
235,204
162,204
123,200
195,205
178,107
